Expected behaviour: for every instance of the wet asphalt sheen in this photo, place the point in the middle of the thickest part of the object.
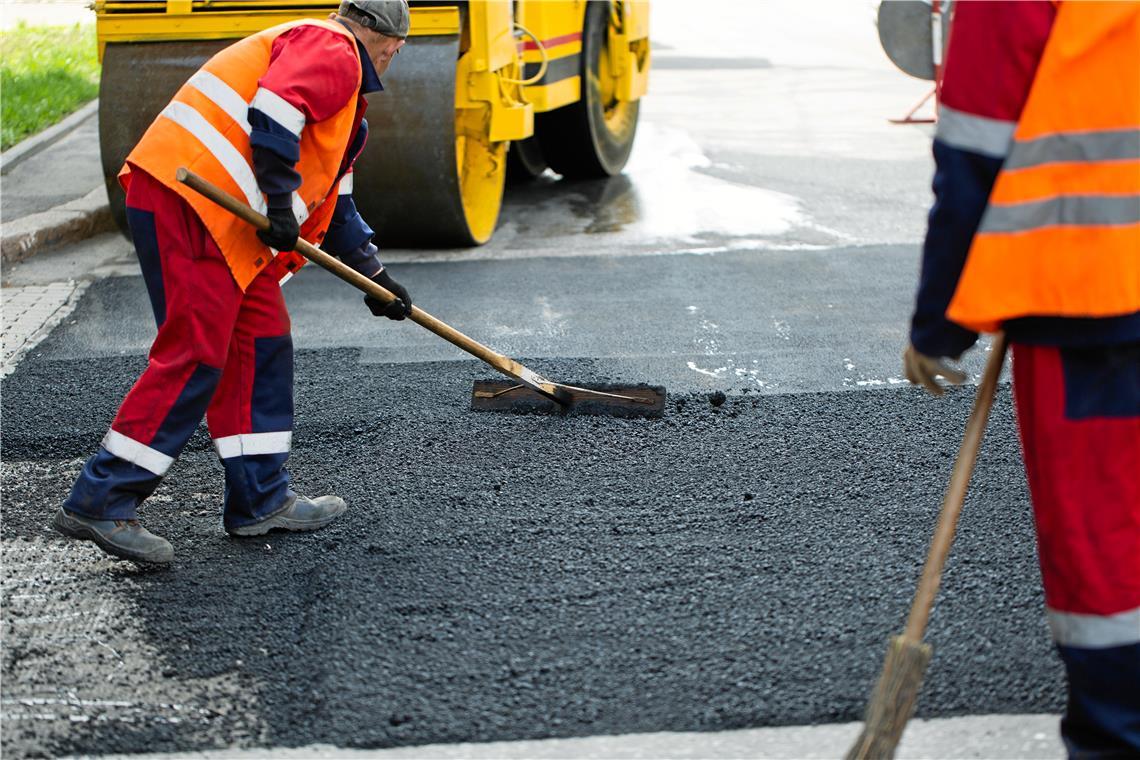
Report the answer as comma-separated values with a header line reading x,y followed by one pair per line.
x,y
503,577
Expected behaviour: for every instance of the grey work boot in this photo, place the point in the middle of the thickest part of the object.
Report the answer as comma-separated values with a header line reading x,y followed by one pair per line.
x,y
298,513
126,539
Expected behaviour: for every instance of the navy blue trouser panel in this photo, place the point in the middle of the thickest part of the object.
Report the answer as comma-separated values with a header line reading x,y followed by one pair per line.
x,y
110,488
1102,381
146,247
271,408
258,485
1103,715
183,418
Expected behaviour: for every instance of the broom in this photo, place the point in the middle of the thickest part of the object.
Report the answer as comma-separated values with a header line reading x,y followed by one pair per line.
x,y
892,702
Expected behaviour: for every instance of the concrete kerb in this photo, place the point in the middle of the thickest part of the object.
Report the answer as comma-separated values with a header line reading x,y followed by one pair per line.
x,y
66,223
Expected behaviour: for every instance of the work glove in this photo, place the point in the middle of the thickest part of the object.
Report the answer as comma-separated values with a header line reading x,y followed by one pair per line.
x,y
921,369
397,309
283,229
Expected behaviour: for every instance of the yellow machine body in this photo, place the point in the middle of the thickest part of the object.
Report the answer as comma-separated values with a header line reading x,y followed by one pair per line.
x,y
511,62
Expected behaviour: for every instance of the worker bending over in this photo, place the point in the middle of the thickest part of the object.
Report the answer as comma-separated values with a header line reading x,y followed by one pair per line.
x,y
1035,230
276,119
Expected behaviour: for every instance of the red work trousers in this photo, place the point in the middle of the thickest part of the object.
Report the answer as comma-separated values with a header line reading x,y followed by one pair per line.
x,y
219,352
1078,412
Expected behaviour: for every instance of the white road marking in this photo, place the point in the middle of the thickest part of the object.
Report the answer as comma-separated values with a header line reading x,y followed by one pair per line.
x,y
988,736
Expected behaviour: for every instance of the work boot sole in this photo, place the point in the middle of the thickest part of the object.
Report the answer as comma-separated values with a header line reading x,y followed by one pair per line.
x,y
281,522
73,528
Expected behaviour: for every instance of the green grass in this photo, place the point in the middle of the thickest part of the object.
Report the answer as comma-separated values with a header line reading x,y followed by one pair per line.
x,y
45,74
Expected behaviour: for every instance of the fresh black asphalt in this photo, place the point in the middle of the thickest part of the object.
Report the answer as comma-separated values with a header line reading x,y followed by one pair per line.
x,y
501,576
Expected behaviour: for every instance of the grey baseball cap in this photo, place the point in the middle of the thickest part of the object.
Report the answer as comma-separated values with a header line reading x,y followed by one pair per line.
x,y
389,17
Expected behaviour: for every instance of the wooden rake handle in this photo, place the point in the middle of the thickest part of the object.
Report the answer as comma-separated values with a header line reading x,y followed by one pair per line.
x,y
502,363
955,494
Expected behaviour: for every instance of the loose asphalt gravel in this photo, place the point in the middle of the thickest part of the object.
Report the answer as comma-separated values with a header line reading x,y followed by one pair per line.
x,y
740,562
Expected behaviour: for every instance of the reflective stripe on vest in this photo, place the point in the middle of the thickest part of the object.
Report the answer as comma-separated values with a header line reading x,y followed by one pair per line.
x,y
1072,210
206,129
226,98
1061,234
1102,145
220,148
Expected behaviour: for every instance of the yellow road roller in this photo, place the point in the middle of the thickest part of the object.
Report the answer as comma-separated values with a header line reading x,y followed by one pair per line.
x,y
483,89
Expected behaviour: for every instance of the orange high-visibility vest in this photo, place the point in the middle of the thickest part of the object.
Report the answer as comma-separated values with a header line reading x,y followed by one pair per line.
x,y
1061,234
206,129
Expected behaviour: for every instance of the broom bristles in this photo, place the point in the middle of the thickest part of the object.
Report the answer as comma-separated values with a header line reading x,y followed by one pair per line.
x,y
893,700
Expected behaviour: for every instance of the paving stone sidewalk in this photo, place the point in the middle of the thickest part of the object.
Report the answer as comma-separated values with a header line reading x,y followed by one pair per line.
x,y
52,197
29,313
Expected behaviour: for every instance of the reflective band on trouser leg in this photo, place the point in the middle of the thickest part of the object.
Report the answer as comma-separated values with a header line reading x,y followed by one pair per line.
x,y
1079,415
123,472
140,454
257,482
251,417
1095,631
253,444
164,407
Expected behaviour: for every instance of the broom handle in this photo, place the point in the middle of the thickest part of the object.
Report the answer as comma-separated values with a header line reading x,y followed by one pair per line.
x,y
356,279
955,494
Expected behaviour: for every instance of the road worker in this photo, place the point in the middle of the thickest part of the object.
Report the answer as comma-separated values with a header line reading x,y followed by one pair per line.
x,y
1035,230
277,120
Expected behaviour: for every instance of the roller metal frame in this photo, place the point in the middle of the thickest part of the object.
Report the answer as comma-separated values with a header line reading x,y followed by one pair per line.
x,y
906,43
556,24
467,85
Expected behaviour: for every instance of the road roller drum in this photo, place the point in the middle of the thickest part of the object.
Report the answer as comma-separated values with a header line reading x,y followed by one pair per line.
x,y
555,82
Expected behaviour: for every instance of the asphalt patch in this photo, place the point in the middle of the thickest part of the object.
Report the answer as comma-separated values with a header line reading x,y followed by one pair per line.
x,y
506,577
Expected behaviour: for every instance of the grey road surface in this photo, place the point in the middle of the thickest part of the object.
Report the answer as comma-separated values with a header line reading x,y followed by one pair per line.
x,y
504,576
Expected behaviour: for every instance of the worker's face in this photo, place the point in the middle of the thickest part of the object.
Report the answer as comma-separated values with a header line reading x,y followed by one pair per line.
x,y
382,49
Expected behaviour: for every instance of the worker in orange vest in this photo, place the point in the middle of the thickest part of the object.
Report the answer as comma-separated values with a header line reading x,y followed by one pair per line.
x,y
276,119
1035,230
